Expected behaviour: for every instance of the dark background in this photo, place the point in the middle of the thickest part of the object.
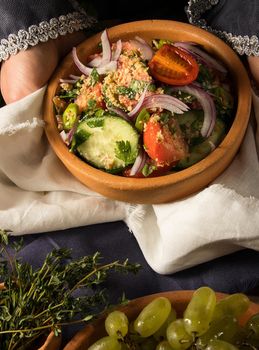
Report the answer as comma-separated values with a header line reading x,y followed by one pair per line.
x,y
129,10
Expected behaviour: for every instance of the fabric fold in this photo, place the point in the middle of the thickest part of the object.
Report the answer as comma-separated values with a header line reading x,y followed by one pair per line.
x,y
215,222
38,194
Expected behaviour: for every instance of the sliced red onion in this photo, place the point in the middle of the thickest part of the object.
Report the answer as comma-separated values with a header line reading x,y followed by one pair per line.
x,y
102,60
117,52
96,62
186,42
139,163
141,40
107,56
63,135
106,47
108,67
141,45
167,102
212,145
119,112
139,104
162,101
68,81
84,69
202,55
207,104
71,132
75,77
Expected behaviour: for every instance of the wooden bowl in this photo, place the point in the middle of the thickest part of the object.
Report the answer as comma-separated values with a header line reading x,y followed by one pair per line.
x,y
179,299
169,187
52,342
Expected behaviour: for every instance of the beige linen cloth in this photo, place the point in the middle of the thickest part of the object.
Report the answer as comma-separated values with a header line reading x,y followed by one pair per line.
x,y
38,194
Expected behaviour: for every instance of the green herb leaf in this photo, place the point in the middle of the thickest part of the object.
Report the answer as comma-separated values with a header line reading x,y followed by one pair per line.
x,y
123,152
126,91
95,122
79,137
148,169
34,302
94,77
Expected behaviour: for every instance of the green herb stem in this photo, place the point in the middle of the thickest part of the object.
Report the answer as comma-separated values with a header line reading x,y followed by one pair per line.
x,y
35,301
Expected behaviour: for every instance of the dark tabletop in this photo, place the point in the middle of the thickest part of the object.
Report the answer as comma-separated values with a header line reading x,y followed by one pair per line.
x,y
236,272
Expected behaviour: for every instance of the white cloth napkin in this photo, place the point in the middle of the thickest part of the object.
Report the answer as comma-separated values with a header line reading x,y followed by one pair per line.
x,y
38,194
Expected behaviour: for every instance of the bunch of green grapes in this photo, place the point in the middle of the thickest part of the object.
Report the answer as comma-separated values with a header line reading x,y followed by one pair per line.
x,y
205,325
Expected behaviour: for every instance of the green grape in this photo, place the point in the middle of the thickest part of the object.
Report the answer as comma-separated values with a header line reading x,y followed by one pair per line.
x,y
177,336
161,332
224,329
133,335
220,345
199,311
164,345
252,325
235,305
152,316
239,337
251,340
136,339
116,324
148,344
106,343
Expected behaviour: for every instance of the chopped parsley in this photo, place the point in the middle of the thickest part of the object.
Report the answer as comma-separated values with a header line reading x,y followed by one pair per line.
x,y
79,137
69,94
98,112
126,91
94,77
91,104
123,152
95,122
138,85
205,76
165,116
158,43
148,169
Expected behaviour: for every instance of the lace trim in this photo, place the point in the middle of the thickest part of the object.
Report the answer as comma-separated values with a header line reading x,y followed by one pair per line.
x,y
243,45
43,32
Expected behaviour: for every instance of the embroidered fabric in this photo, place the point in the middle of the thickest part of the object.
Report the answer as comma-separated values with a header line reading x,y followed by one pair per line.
x,y
46,30
242,44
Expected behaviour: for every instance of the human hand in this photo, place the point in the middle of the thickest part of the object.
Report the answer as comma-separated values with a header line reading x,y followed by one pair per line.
x,y
29,70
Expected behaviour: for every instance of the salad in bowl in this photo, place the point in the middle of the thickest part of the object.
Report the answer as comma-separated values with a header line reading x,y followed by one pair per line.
x,y
139,109
148,111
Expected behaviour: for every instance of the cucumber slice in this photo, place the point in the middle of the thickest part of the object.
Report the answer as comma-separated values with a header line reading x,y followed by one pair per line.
x,y
109,142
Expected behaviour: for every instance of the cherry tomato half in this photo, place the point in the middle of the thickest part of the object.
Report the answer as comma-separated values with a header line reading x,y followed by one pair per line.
x,y
172,65
161,144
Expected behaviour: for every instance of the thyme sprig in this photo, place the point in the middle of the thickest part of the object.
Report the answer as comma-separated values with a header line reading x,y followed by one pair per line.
x,y
62,291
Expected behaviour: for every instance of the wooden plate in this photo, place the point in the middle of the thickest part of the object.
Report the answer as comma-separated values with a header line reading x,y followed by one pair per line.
x,y
163,188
